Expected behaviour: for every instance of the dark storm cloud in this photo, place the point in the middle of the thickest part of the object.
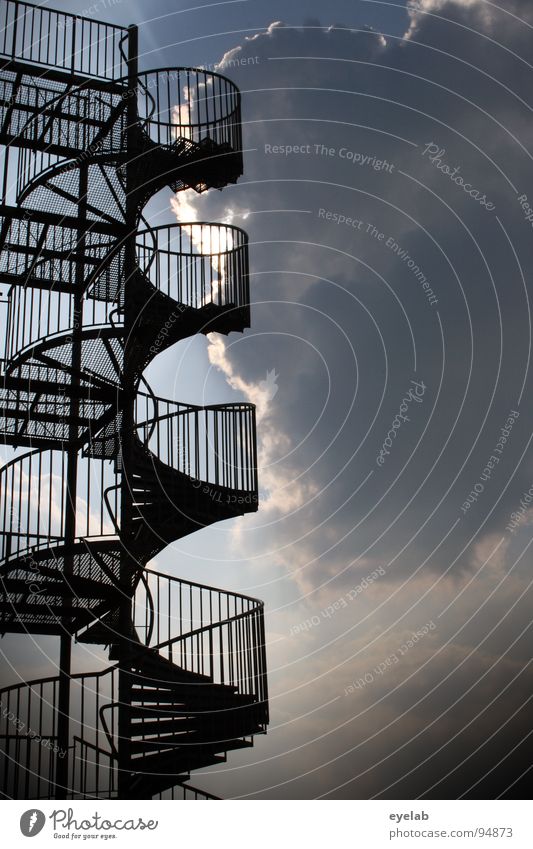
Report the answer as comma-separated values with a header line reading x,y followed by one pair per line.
x,y
400,164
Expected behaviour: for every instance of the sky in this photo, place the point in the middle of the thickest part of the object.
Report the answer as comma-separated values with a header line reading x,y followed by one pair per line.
x,y
388,163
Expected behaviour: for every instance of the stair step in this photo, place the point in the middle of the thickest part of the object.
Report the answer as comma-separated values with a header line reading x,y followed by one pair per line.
x,y
149,660
172,764
222,720
177,725
169,711
185,698
167,676
187,747
165,680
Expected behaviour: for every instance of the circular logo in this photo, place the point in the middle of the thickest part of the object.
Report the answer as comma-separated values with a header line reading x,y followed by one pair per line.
x,y
32,822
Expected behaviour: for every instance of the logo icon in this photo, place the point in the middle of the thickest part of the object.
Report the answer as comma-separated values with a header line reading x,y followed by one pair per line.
x,y
32,822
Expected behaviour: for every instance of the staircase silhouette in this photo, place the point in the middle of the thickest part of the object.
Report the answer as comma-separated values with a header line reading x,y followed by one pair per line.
x,y
115,473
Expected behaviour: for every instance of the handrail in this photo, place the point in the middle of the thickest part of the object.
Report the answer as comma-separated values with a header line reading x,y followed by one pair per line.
x,y
181,225
173,69
55,678
173,579
232,406
150,628
105,726
205,628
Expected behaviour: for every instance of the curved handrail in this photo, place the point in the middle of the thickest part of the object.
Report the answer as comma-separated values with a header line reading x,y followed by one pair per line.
x,y
186,409
78,676
187,69
199,586
105,726
151,621
181,225
108,505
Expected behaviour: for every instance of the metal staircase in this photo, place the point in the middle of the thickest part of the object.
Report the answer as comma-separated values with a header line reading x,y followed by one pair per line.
x,y
114,474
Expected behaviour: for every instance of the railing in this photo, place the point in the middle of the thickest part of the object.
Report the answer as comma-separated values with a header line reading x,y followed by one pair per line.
x,y
33,163
190,104
197,264
94,733
211,445
61,40
199,628
166,609
33,501
214,446
35,314
28,739
208,631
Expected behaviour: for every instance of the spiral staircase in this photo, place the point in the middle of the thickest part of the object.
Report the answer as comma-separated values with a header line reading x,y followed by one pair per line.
x,y
114,473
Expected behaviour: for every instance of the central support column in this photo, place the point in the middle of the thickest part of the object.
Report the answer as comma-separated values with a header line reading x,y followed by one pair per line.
x,y
127,401
63,704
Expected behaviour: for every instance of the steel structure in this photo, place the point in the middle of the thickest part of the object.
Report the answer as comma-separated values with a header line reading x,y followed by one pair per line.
x,y
113,473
